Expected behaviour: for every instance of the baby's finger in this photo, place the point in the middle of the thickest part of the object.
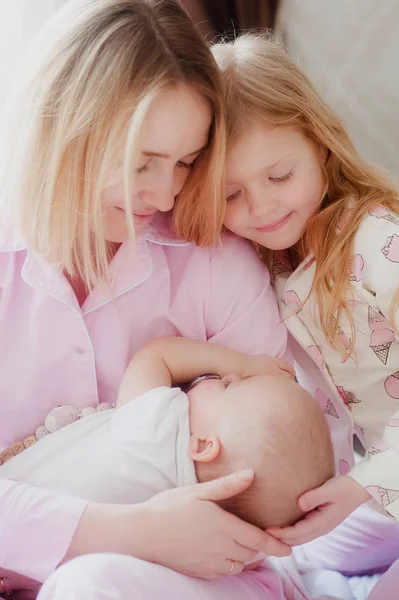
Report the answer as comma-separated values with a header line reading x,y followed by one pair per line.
x,y
286,367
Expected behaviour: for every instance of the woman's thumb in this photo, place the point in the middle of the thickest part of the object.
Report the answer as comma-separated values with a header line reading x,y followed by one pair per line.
x,y
227,486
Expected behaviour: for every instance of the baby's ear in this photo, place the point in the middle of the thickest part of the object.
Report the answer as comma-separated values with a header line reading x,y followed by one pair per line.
x,y
231,378
203,449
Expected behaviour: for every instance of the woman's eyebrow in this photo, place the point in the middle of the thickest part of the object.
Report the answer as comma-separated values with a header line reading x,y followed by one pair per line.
x,y
163,155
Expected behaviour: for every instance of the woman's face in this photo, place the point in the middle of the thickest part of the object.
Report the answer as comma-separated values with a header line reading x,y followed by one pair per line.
x,y
175,132
275,184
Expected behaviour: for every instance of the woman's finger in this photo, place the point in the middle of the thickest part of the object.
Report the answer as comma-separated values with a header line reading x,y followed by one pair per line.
x,y
254,565
231,567
224,487
255,539
242,553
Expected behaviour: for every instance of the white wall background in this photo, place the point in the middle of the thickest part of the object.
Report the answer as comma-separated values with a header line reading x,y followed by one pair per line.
x,y
350,50
19,21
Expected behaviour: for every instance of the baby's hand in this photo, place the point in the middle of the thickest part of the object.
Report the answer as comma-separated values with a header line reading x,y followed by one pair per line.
x,y
267,365
327,506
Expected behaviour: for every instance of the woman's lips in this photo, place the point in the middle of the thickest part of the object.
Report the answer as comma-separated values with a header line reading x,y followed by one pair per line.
x,y
138,216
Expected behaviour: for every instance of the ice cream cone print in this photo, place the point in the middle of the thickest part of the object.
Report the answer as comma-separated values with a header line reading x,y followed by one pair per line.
x,y
377,448
382,336
347,397
344,467
325,403
391,385
381,212
357,267
391,248
382,352
384,496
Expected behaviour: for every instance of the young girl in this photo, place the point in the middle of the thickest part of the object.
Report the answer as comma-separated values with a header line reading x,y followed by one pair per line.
x,y
115,128
328,225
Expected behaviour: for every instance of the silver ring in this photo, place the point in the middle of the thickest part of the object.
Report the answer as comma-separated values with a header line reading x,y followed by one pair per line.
x,y
231,568
200,379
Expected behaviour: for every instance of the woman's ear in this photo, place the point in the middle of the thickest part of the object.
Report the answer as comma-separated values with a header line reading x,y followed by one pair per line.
x,y
203,449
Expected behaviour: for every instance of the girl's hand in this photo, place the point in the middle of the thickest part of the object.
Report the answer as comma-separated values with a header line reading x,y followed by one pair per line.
x,y
267,365
327,506
186,531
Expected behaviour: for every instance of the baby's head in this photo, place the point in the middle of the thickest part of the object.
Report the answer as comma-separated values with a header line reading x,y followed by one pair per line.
x,y
269,424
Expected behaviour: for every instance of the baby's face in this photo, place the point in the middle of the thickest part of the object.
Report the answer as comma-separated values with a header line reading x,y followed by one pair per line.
x,y
214,400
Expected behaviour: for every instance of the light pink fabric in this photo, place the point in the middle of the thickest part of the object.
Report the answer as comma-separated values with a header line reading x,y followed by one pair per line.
x,y
53,352
109,576
366,542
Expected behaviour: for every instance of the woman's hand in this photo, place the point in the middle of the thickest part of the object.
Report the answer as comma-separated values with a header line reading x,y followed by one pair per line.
x,y
189,533
326,507
182,529
267,365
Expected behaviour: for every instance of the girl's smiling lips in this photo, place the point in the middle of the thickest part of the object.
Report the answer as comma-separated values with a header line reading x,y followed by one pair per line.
x,y
275,225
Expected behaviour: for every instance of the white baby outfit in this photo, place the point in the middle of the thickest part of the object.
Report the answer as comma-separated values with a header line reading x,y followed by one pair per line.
x,y
124,455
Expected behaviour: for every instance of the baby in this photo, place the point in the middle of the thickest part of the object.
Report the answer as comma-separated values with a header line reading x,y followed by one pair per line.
x,y
249,413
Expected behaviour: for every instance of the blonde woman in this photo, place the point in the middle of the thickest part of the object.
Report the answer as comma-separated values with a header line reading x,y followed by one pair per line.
x,y
113,148
327,223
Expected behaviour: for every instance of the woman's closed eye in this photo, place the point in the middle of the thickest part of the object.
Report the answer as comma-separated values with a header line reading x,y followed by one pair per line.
x,y
282,178
144,167
185,165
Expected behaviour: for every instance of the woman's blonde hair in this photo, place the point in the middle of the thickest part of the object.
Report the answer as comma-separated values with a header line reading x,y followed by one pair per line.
x,y
83,94
263,84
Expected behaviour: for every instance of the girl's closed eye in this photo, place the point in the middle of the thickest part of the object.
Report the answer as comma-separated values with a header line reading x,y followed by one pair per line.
x,y
233,196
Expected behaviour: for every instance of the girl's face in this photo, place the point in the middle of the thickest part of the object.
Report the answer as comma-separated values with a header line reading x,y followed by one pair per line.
x,y
175,132
275,183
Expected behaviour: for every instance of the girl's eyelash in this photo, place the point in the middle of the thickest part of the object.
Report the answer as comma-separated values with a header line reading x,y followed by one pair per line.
x,y
233,196
281,179
272,179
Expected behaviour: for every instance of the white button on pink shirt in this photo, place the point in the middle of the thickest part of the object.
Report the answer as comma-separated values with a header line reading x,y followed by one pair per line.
x,y
53,351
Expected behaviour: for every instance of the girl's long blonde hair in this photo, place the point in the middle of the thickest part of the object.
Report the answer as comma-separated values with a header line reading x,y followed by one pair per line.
x,y
263,84
82,97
